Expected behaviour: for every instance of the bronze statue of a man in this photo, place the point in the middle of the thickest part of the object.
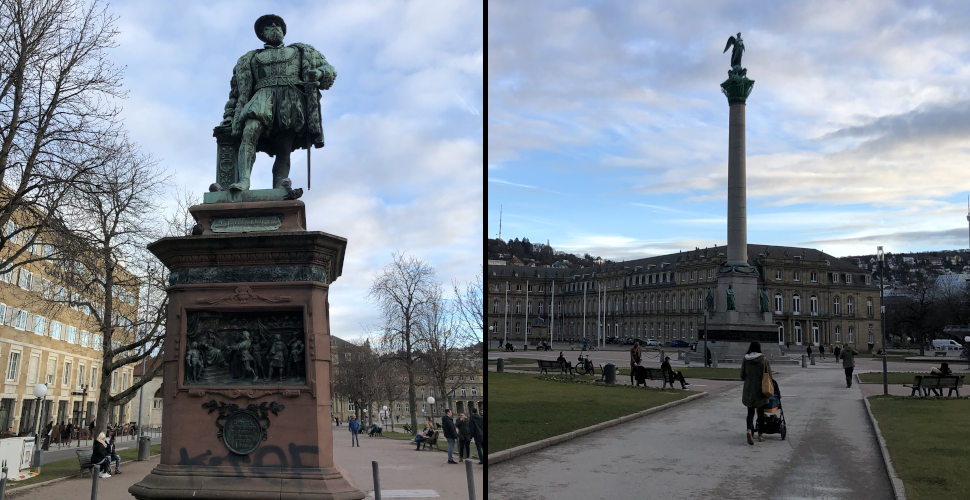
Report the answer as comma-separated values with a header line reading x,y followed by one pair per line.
x,y
274,101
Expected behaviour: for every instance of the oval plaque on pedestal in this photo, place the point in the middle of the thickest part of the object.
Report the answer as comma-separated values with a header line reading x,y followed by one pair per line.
x,y
242,433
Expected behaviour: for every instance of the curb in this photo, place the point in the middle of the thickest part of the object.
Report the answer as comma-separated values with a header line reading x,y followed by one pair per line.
x,y
16,491
899,489
502,456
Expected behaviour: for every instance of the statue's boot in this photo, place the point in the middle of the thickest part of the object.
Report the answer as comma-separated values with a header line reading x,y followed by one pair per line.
x,y
247,155
281,170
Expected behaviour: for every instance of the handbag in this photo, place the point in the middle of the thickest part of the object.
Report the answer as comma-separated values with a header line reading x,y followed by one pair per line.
x,y
767,387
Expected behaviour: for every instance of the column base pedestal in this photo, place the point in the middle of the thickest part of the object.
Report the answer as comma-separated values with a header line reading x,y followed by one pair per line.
x,y
206,482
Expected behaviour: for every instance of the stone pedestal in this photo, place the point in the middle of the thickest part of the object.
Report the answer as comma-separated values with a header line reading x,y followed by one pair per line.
x,y
247,358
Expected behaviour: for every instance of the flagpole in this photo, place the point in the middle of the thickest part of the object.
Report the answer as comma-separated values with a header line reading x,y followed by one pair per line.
x,y
505,336
552,312
526,343
584,309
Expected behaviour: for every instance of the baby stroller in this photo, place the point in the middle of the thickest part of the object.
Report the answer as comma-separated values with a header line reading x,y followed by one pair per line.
x,y
774,422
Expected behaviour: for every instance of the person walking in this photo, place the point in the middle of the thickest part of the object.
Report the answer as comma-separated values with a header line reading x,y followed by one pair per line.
x,y
354,426
809,350
848,355
478,435
464,436
100,457
636,356
451,434
752,369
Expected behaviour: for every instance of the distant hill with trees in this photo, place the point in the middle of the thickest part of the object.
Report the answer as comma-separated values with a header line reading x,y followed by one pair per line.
x,y
538,254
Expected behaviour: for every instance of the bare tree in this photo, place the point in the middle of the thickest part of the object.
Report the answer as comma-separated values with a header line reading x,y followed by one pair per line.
x,y
391,385
104,265
402,291
442,337
470,300
56,114
354,378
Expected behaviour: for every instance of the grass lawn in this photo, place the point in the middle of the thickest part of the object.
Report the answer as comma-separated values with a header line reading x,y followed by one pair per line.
x,y
927,441
69,467
523,408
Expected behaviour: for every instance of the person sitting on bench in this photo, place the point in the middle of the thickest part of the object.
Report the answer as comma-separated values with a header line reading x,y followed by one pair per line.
x,y
942,371
374,429
562,361
672,374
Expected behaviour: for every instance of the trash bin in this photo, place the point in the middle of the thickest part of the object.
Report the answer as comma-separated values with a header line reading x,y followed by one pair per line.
x,y
804,361
144,447
609,373
501,365
813,359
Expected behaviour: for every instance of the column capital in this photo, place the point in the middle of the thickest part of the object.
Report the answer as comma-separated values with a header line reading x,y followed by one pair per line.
x,y
738,86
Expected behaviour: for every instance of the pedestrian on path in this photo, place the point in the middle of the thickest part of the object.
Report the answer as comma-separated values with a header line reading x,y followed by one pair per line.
x,y
354,426
636,356
848,363
478,434
451,434
752,369
464,436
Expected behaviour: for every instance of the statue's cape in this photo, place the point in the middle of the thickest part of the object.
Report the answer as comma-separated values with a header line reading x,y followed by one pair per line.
x,y
242,89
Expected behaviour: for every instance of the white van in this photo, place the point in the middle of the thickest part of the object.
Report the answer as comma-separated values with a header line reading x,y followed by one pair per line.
x,y
946,345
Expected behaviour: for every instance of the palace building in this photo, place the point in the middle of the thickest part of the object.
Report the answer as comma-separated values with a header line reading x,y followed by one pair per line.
x,y
47,338
814,299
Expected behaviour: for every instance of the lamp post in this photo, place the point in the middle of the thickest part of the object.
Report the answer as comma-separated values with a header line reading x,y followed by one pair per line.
x,y
40,392
431,402
882,317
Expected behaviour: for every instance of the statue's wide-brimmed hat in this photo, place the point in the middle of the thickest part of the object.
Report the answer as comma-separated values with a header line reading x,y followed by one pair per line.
x,y
267,19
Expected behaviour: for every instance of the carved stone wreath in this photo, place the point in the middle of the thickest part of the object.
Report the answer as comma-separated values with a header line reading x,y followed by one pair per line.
x,y
242,429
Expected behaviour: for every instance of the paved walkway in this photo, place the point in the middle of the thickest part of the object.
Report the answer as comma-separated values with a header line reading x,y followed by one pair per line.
x,y
698,450
404,473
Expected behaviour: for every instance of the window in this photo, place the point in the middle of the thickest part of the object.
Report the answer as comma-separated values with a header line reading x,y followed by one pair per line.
x,y
495,306
850,305
55,330
94,376
795,276
779,303
80,376
814,276
85,338
851,335
399,407
474,391
350,406
796,304
3,312
813,304
868,307
32,368
114,382
13,366
72,334
25,279
781,333
6,276
798,333
815,333
66,380
518,307
39,325
848,278
836,306
21,320
838,334
156,403
51,370
463,394
124,381
778,275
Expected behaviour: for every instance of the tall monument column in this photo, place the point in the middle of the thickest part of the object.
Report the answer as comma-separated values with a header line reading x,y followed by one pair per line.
x,y
739,314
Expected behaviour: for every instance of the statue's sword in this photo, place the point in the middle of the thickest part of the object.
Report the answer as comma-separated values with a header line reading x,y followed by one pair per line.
x,y
309,141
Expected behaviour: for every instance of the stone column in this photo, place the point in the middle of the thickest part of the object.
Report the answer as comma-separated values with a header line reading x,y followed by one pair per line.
x,y
737,226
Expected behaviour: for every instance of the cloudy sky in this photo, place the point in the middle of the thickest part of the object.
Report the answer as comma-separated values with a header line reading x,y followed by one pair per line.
x,y
608,132
402,167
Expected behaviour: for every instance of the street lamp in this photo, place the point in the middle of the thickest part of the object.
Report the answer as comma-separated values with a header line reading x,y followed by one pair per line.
x,y
431,402
882,317
40,392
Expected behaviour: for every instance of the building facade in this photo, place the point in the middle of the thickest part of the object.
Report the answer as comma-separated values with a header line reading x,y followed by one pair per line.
x,y
45,338
815,299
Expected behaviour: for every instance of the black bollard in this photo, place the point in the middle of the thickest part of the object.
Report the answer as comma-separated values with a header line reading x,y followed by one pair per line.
x,y
501,365
471,479
377,481
95,473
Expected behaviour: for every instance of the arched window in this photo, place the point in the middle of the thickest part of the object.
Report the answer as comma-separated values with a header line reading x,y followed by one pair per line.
x,y
798,333
781,333
836,306
796,302
852,335
813,303
779,303
815,333
869,307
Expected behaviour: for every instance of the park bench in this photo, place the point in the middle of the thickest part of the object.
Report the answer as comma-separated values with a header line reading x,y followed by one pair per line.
x,y
84,461
433,441
655,374
925,384
545,365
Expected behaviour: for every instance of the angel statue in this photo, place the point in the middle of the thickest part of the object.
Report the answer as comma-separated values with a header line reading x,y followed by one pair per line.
x,y
738,49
